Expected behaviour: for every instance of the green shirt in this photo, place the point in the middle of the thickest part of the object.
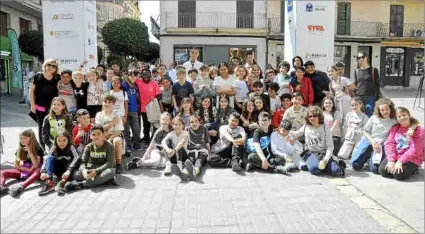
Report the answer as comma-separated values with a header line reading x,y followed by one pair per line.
x,y
98,158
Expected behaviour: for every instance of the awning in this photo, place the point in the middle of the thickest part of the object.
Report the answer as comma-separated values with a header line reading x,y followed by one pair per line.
x,y
5,49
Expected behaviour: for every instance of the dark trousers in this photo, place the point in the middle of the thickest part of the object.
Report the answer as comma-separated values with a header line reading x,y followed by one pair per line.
x,y
182,156
100,179
40,119
337,144
168,108
409,169
227,157
255,160
146,128
200,161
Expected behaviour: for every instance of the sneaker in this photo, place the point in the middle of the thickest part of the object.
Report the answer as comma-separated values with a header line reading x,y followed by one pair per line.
x,y
281,169
72,185
236,167
135,159
290,166
59,188
342,167
131,165
175,169
167,170
3,190
16,190
118,169
190,169
249,167
47,188
113,182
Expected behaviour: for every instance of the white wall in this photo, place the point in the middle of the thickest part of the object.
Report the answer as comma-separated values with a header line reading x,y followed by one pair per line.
x,y
168,42
14,16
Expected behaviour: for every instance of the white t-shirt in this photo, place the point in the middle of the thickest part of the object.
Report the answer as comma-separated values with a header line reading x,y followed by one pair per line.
x,y
225,84
329,122
189,66
103,120
339,85
297,118
121,97
275,104
241,90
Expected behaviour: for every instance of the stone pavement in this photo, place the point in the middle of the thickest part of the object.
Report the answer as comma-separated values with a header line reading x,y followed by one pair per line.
x,y
147,201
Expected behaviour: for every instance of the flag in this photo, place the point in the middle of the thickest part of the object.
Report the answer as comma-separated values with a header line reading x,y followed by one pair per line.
x,y
16,57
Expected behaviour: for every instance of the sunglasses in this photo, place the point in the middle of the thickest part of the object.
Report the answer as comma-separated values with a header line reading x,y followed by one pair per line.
x,y
361,57
313,116
52,65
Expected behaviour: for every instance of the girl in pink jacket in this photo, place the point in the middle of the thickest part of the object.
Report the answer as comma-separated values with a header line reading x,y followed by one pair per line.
x,y
404,154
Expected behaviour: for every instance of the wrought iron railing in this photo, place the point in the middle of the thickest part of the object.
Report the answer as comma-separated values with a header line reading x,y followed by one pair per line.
x,y
380,29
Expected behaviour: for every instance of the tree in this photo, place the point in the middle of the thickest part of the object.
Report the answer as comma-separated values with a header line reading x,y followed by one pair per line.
x,y
31,43
125,36
150,53
99,54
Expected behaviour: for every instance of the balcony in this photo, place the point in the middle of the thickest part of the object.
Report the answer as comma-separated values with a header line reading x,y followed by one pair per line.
x,y
212,21
380,30
275,25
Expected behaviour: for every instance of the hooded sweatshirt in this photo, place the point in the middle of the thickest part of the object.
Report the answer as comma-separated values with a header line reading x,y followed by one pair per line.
x,y
51,127
66,159
317,140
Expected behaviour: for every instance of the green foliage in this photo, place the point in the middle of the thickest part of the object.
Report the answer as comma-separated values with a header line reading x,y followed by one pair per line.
x,y
32,43
114,58
99,54
125,36
149,53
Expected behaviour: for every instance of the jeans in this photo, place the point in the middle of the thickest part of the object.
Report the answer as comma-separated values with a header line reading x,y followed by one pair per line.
x,y
409,169
227,157
369,104
133,123
312,162
100,179
362,153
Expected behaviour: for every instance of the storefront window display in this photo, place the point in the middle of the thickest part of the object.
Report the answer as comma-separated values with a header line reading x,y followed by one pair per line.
x,y
181,54
417,65
394,66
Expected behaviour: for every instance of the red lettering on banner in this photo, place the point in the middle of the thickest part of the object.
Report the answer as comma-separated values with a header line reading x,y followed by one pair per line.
x,y
316,28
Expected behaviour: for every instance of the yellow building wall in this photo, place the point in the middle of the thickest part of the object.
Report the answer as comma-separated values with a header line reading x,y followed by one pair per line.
x,y
273,8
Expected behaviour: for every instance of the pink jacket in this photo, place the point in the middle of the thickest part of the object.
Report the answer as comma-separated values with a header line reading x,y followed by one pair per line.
x,y
399,147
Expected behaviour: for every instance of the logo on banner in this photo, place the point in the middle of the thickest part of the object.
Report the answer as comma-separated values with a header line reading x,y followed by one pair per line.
x,y
316,28
63,34
309,7
67,16
310,56
67,61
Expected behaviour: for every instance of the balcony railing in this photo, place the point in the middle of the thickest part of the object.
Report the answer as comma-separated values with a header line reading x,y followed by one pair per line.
x,y
379,29
213,20
275,25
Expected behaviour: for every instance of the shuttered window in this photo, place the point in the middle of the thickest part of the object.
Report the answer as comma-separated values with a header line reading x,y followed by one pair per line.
x,y
343,18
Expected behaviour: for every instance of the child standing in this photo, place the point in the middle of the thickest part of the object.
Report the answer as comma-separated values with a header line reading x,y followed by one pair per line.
x,y
110,74
81,132
278,114
181,89
224,110
241,88
283,79
121,103
296,113
80,89
67,92
353,128
339,89
166,94
175,144
95,91
111,122
154,155
97,163
285,146
133,118
259,92
333,120
203,86
186,111
249,118
56,122
61,162
27,165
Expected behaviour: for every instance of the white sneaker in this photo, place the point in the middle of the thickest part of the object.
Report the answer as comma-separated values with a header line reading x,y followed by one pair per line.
x,y
167,170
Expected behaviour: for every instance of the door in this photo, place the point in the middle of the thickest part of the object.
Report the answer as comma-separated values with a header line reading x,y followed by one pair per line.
x,y
244,14
396,20
394,61
342,54
187,14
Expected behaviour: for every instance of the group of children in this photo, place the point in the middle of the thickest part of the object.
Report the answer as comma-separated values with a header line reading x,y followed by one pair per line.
x,y
235,120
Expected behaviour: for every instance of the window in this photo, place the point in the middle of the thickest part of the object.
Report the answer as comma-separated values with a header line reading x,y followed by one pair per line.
x,y
25,25
343,18
417,66
396,20
3,23
181,54
187,14
244,14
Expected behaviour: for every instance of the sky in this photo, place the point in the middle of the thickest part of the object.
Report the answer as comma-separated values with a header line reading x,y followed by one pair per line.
x,y
149,8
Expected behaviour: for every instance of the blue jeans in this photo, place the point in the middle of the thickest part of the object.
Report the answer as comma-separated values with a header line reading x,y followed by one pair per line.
x,y
312,162
362,153
50,165
369,104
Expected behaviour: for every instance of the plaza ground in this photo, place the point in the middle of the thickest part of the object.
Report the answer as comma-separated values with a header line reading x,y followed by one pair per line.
x,y
220,201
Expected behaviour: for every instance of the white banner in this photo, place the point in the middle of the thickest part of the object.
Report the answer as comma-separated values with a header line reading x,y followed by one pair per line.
x,y
70,32
314,32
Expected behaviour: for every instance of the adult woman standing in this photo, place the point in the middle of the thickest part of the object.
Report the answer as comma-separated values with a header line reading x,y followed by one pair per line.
x,y
42,91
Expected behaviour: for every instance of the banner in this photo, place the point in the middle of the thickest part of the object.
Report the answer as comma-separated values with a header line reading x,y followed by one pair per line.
x,y
70,32
16,57
312,33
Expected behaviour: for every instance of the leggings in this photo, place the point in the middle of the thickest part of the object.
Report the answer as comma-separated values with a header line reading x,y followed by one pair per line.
x,y
16,174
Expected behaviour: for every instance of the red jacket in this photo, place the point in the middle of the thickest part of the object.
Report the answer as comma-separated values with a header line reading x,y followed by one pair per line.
x,y
307,91
277,117
77,140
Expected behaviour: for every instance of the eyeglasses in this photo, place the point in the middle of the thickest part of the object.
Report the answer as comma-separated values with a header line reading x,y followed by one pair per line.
x,y
52,65
361,57
313,116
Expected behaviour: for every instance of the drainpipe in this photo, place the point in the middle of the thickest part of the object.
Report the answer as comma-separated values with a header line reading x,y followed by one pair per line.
x,y
267,34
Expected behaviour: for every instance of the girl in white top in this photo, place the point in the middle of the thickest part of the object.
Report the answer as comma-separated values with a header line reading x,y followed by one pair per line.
x,y
112,123
340,88
225,84
241,87
121,105
353,128
175,145
333,120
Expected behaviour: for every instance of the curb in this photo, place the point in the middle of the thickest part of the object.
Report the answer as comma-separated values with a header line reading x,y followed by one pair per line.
x,y
387,219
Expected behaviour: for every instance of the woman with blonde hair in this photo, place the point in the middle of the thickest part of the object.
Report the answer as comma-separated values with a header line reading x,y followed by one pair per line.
x,y
42,91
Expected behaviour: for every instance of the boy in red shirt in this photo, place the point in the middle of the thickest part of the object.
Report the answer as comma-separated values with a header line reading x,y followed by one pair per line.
x,y
278,115
81,131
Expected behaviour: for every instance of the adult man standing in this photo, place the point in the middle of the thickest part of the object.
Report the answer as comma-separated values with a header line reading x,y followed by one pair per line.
x,y
193,61
366,80
319,80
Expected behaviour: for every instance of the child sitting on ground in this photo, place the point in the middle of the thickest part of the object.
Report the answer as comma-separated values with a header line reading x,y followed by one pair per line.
x,y
175,144
285,146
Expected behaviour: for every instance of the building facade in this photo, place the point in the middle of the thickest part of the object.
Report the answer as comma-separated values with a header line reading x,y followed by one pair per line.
x,y
22,16
219,31
109,10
